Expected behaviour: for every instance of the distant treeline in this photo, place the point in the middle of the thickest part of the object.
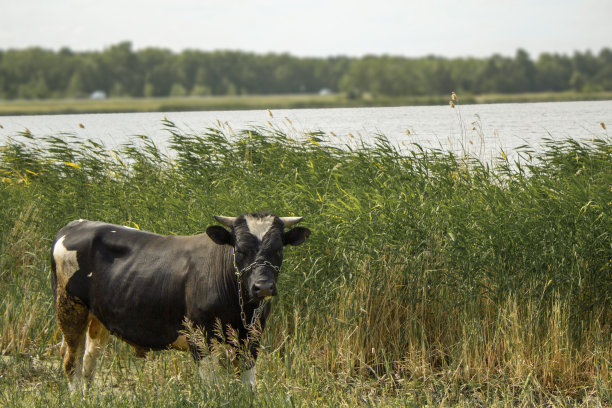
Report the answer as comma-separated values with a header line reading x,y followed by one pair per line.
x,y
154,72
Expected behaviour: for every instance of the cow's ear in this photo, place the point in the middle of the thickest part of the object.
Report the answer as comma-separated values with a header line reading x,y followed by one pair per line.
x,y
219,235
295,236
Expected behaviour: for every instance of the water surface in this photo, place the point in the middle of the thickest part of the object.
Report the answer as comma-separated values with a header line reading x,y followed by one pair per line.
x,y
484,129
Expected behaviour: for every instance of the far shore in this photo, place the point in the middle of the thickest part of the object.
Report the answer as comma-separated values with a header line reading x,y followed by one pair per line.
x,y
247,102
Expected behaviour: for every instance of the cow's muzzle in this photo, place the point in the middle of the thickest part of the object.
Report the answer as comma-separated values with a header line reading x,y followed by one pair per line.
x,y
262,289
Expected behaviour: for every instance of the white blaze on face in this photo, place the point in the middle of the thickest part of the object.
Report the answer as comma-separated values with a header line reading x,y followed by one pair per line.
x,y
259,226
65,262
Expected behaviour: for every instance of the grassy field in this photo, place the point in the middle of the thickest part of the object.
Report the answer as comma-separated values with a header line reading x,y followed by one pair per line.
x,y
32,107
430,278
58,106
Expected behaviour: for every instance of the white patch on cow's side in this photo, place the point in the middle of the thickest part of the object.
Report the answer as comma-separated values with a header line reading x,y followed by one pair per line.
x,y
248,377
65,261
113,231
259,226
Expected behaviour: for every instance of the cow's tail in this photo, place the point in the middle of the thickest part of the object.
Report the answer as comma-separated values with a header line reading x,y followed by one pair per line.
x,y
54,277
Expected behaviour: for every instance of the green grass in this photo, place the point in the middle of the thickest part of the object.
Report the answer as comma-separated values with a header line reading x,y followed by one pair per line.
x,y
543,97
171,104
429,279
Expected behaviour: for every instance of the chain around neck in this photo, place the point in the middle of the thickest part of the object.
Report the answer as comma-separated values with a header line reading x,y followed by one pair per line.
x,y
262,304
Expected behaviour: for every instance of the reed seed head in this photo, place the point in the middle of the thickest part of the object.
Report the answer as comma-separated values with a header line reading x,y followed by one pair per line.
x,y
454,96
452,104
603,125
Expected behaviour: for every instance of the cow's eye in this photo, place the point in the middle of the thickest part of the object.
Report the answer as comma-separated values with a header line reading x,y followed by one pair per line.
x,y
276,251
271,249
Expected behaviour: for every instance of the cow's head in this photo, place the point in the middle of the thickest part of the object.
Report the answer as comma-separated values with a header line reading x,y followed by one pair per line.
x,y
258,240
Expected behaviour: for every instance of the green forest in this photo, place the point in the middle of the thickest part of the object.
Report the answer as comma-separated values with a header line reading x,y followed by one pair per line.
x,y
121,71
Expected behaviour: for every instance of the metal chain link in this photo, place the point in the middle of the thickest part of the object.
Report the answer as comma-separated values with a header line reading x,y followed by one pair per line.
x,y
262,304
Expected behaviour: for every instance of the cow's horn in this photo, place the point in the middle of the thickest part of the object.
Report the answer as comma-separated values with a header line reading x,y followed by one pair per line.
x,y
227,221
289,221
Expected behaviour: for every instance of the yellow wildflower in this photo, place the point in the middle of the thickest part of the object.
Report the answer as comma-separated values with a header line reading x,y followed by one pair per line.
x,y
74,165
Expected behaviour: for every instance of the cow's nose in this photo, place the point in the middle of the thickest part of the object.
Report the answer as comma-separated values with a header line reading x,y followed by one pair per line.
x,y
262,289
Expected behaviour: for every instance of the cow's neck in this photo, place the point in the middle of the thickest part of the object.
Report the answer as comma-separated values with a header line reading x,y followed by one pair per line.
x,y
229,283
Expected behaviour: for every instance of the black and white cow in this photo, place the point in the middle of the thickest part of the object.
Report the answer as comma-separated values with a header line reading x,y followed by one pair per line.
x,y
141,286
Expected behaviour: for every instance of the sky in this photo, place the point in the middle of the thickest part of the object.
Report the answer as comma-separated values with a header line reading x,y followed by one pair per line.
x,y
313,28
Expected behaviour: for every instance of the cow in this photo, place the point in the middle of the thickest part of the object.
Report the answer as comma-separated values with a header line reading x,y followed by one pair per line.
x,y
144,288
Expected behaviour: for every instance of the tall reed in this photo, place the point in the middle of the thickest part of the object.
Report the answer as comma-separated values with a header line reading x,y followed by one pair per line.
x,y
430,276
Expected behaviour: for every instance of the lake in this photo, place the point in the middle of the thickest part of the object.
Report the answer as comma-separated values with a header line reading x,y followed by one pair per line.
x,y
482,129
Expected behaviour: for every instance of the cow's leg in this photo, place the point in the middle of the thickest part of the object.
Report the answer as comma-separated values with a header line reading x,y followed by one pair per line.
x,y
97,338
140,352
204,353
246,361
246,365
63,347
208,368
248,377
72,319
